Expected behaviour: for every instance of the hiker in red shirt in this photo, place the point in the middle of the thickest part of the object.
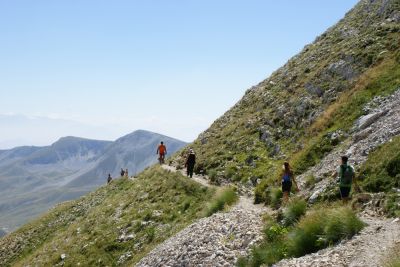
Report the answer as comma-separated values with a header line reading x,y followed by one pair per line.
x,y
162,151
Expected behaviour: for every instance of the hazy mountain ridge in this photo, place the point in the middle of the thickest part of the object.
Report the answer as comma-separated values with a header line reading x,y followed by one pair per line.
x,y
68,148
32,179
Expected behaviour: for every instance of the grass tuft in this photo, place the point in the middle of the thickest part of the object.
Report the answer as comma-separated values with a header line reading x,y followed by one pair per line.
x,y
226,197
323,228
316,230
295,209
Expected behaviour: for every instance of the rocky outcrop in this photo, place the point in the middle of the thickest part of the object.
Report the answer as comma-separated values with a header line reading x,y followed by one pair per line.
x,y
378,126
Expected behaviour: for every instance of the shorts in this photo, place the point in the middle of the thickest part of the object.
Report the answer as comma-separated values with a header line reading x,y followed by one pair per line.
x,y
286,186
344,191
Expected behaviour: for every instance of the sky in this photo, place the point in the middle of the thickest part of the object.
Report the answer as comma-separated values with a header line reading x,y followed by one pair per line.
x,y
102,69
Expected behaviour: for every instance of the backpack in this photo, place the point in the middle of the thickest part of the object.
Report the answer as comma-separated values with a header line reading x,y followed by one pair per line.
x,y
286,177
346,175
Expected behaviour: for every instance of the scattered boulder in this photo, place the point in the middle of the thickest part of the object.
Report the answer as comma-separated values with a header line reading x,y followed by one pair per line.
x,y
314,90
369,119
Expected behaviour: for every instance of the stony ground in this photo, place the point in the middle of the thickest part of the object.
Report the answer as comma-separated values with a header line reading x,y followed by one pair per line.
x,y
217,240
370,248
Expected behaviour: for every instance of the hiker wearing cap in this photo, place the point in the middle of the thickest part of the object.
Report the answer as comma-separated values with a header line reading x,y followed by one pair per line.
x,y
190,162
287,178
345,176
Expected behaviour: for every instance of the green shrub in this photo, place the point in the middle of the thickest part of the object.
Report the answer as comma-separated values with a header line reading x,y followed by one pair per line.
x,y
213,175
323,228
275,197
295,209
224,198
392,204
274,231
314,231
268,253
260,191
230,171
150,234
393,167
185,205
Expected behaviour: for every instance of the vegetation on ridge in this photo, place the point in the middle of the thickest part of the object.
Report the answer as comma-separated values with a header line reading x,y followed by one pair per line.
x,y
120,222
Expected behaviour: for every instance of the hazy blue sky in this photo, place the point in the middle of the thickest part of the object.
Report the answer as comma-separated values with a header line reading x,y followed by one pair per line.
x,y
111,67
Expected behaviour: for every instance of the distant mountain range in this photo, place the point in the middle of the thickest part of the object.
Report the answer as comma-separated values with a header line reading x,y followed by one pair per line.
x,y
32,179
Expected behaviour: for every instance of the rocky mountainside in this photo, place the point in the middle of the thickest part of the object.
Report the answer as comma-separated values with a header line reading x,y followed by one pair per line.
x,y
33,179
339,95
283,116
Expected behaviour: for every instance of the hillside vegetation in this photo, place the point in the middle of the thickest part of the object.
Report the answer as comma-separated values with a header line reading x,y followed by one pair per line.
x,y
118,223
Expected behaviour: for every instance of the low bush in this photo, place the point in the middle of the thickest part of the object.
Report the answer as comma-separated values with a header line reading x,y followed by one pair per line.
x,y
224,198
260,191
275,197
392,204
323,228
316,230
295,209
213,175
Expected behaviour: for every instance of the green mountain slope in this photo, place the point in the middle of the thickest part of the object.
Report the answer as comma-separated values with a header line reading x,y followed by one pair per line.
x,y
292,114
119,222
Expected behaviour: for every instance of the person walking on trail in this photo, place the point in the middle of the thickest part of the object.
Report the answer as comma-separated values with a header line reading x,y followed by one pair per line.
x,y
345,176
161,151
287,178
109,178
126,173
122,172
190,162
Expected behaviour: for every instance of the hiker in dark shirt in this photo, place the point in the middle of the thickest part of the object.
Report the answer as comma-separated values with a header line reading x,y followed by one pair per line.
x,y
109,178
345,176
122,172
190,162
287,178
